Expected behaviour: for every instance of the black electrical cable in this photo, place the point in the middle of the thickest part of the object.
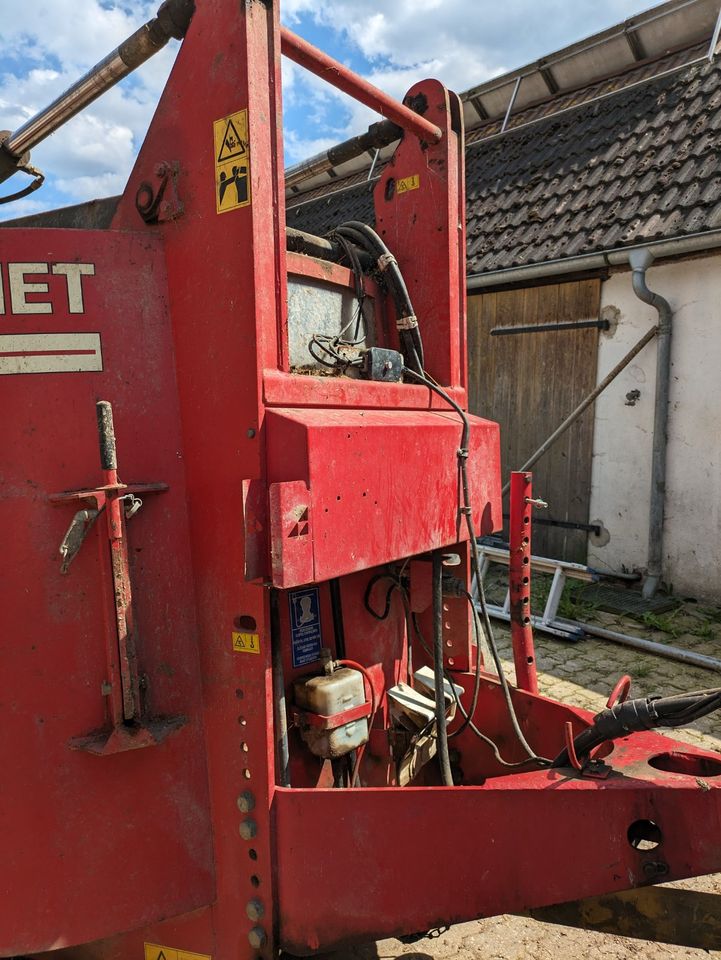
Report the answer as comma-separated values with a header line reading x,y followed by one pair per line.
x,y
466,511
369,589
324,346
396,584
467,716
438,678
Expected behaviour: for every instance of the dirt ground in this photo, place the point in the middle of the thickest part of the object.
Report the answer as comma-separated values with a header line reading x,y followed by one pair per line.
x,y
584,674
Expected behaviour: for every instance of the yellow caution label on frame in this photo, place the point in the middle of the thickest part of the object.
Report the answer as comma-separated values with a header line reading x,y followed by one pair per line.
x,y
154,951
408,183
232,162
246,642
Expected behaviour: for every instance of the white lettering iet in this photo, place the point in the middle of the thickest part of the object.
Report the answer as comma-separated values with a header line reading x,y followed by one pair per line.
x,y
19,287
72,273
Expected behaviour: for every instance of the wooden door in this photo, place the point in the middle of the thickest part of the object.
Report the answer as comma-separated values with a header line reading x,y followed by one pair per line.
x,y
529,383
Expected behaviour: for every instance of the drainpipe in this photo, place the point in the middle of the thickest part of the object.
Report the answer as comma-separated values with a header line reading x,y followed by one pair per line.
x,y
640,261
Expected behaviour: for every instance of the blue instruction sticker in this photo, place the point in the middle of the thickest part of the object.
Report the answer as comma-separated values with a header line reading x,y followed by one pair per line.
x,y
305,633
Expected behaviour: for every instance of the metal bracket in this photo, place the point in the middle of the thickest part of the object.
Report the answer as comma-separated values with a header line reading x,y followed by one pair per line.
x,y
160,203
75,535
303,718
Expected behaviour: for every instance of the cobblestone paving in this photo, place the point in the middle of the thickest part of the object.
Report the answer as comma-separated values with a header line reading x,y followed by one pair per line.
x,y
583,674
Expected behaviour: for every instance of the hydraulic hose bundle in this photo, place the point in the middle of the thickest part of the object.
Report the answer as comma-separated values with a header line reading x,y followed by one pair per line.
x,y
409,333
644,713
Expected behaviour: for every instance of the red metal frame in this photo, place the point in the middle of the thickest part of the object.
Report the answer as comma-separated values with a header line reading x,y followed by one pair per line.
x,y
335,73
191,845
519,581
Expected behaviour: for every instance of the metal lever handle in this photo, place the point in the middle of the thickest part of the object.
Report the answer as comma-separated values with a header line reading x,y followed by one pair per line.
x,y
106,435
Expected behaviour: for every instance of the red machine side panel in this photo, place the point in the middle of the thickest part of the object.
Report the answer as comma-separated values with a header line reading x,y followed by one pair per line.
x,y
386,479
92,845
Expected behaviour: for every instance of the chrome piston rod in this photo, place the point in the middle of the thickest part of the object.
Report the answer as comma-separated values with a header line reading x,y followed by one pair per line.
x,y
172,20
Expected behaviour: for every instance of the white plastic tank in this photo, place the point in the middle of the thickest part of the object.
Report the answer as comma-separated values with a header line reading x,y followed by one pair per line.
x,y
329,695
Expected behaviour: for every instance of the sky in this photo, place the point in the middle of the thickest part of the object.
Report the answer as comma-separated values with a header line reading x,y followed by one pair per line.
x,y
45,45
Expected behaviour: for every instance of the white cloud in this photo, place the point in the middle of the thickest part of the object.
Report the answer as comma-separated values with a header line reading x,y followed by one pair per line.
x,y
44,48
45,45
460,42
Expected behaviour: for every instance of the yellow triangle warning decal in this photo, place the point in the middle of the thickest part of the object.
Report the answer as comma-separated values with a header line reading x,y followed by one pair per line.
x,y
231,145
156,951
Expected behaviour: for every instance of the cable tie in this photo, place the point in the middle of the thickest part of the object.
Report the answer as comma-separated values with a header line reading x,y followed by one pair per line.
x,y
462,453
406,323
385,260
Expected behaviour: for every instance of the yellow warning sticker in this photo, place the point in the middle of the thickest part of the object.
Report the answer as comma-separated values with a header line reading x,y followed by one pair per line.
x,y
154,951
408,183
232,162
246,642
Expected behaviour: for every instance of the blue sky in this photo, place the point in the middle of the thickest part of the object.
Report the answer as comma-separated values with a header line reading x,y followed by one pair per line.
x,y
46,44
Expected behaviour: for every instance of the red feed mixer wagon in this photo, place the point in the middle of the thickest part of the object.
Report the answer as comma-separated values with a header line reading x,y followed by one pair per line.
x,y
245,707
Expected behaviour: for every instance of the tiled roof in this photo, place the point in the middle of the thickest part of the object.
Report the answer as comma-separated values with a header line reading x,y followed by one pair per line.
x,y
634,166
322,209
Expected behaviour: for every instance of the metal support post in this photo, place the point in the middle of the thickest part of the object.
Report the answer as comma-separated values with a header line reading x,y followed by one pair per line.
x,y
519,582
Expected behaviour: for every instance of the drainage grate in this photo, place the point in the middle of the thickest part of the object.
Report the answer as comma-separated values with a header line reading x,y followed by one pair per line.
x,y
613,600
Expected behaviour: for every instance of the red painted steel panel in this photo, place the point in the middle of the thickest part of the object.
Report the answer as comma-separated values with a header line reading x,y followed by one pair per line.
x,y
92,845
383,484
445,856
419,204
298,390
226,283
291,543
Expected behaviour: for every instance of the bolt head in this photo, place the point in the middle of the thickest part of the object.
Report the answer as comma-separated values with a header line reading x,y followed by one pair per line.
x,y
255,910
246,801
257,938
248,829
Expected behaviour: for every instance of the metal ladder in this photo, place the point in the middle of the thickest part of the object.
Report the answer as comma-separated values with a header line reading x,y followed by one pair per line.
x,y
561,571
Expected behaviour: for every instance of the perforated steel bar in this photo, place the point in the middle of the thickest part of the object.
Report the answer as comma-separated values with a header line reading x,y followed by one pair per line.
x,y
519,582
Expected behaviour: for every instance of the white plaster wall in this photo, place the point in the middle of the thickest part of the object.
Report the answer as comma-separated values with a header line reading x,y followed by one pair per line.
x,y
622,440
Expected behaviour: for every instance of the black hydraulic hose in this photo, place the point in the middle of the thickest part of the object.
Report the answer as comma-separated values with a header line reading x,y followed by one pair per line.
x,y
643,713
372,242
336,605
441,725
408,331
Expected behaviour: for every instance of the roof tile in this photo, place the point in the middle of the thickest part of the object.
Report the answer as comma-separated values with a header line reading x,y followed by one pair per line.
x,y
640,164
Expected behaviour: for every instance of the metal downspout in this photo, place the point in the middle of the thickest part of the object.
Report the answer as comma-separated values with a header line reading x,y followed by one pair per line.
x,y
640,261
